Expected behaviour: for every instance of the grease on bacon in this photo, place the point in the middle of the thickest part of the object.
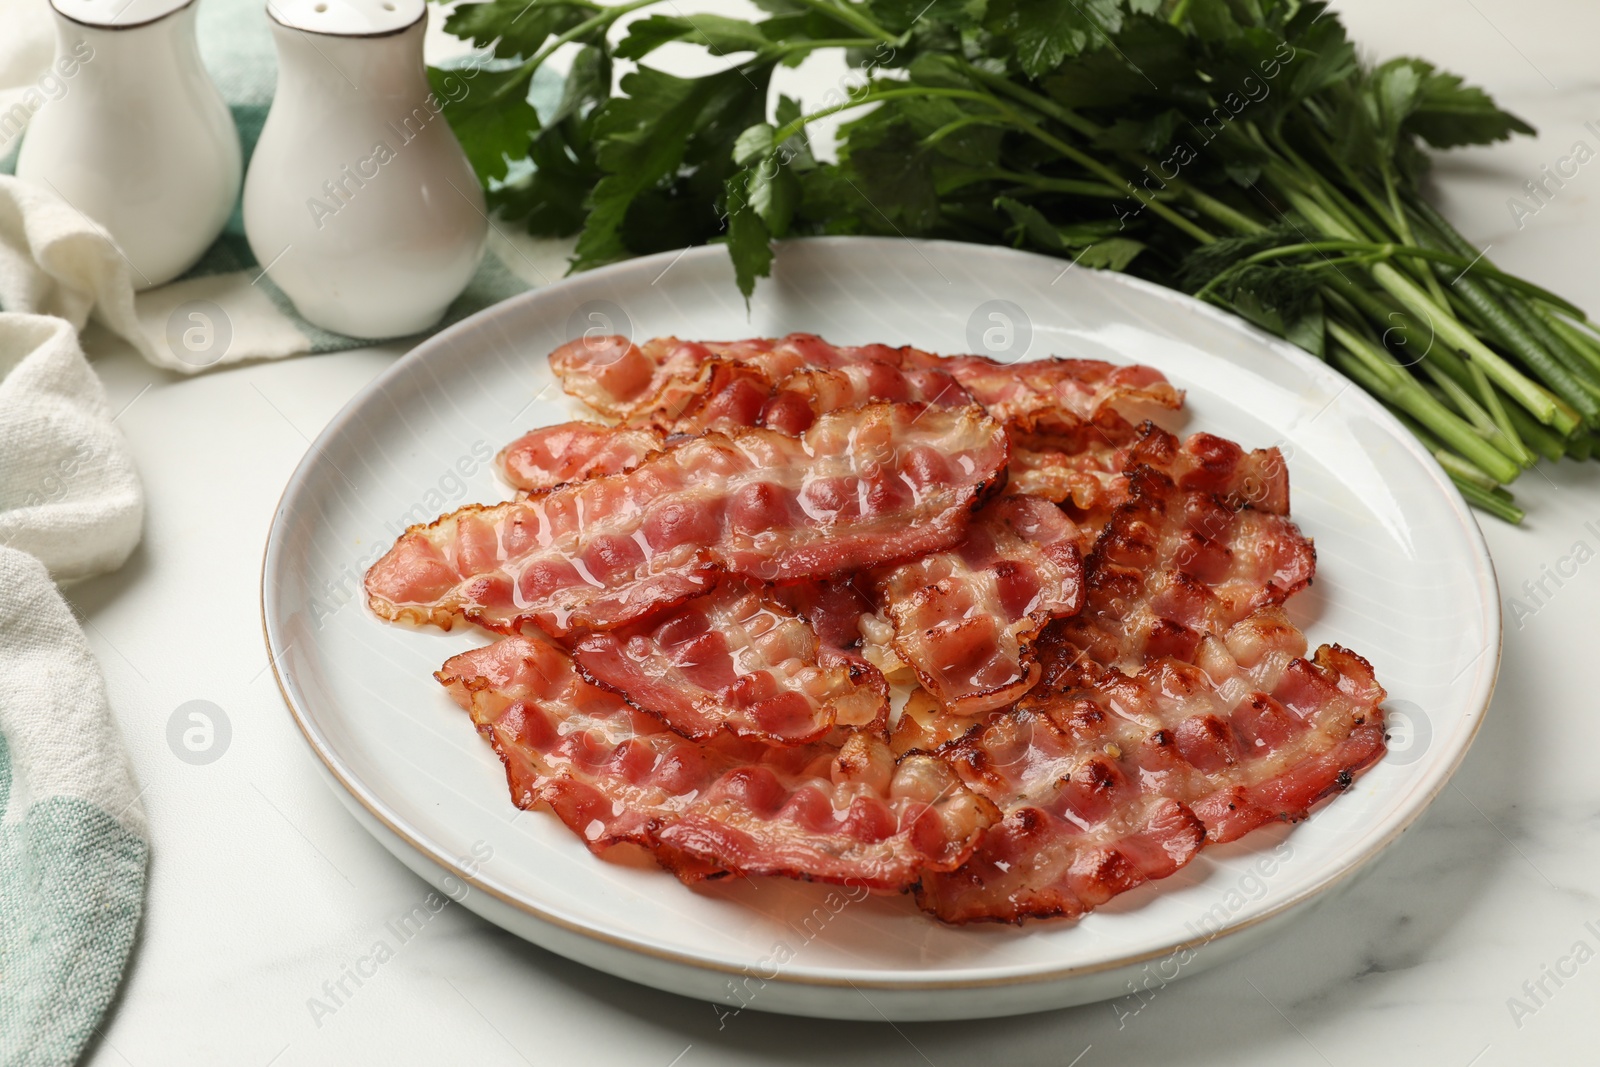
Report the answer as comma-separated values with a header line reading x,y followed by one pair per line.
x,y
690,386
846,813
1108,780
861,488
1189,552
573,451
1046,760
739,661
964,620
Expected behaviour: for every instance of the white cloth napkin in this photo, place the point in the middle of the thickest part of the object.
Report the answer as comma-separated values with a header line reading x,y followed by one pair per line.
x,y
73,840
69,494
54,260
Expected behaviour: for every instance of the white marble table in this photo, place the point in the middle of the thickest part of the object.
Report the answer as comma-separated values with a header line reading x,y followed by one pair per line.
x,y
262,888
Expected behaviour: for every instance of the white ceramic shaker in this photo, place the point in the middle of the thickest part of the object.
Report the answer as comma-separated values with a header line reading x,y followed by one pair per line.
x,y
360,203
139,139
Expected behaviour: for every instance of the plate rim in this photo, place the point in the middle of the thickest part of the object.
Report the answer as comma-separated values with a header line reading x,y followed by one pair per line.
x,y
1483,572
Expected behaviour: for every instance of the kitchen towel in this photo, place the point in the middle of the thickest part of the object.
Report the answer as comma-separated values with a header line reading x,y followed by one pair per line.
x,y
73,843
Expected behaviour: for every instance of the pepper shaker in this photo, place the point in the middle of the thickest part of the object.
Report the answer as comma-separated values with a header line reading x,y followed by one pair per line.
x,y
138,139
360,203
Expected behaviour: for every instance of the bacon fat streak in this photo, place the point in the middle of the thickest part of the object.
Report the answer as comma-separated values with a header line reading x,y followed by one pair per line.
x,y
861,488
964,619
736,660
846,813
1108,780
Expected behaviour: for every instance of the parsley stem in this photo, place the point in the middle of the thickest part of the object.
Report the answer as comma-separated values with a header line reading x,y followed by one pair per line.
x,y
601,20
1491,417
1389,250
848,14
1373,369
1387,212
1494,504
1216,209
874,95
1004,86
1203,203
1402,228
1448,328
1540,438
1456,467
1144,196
1581,343
1067,186
1508,426
791,47
1510,334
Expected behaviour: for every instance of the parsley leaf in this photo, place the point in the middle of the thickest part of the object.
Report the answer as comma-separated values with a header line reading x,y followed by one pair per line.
x,y
1448,113
1045,32
516,28
667,139
715,33
490,114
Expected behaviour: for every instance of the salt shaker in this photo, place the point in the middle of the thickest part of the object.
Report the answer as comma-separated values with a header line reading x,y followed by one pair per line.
x,y
138,139
359,202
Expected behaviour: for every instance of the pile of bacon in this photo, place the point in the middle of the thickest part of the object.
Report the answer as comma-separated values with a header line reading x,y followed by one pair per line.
x,y
705,606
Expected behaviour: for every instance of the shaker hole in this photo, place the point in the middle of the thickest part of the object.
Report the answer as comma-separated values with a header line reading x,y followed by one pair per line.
x,y
388,7
320,8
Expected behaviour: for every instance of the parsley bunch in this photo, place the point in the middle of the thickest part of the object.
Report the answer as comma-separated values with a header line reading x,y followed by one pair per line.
x,y
1235,149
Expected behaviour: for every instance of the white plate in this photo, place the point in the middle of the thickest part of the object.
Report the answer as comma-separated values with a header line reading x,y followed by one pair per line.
x,y
1403,577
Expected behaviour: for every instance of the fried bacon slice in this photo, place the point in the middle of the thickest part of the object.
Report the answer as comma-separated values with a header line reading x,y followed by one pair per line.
x,y
666,380
1108,779
1094,801
521,692
687,385
861,488
738,396
727,396
798,400
733,394
624,381
736,660
1018,393
1084,464
965,619
1075,830
1188,554
1305,735
1246,731
1075,462
844,814
834,609
924,724
1206,463
573,451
